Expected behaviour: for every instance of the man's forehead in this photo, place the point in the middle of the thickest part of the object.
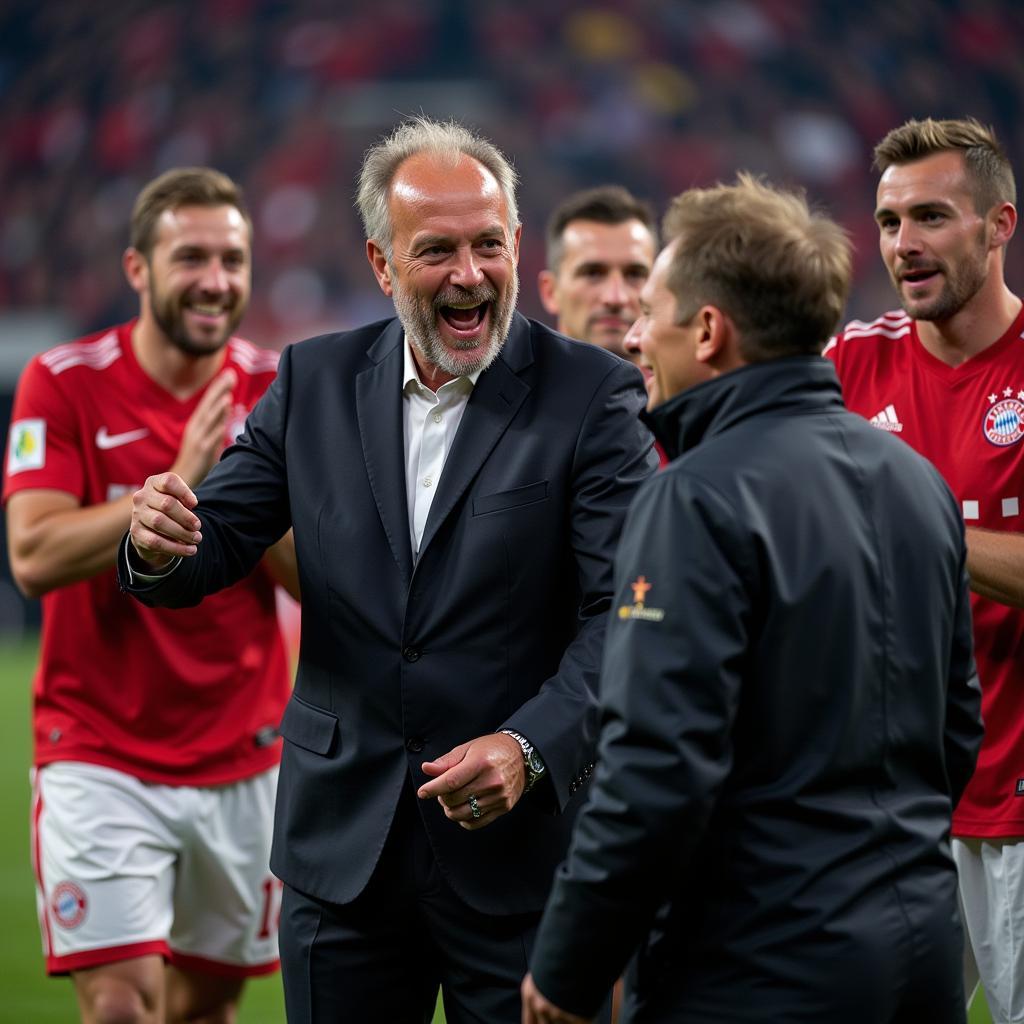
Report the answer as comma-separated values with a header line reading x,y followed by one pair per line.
x,y
627,239
191,221
938,178
428,180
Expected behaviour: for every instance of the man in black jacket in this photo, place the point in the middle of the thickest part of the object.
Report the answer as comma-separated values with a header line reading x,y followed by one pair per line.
x,y
789,703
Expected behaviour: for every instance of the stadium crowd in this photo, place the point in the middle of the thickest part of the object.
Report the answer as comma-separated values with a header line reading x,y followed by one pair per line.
x,y
286,97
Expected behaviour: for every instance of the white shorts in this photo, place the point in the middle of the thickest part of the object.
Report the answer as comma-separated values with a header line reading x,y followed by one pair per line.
x,y
991,875
126,868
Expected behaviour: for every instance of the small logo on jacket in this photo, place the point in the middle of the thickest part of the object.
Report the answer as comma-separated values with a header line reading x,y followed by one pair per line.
x,y
887,420
638,610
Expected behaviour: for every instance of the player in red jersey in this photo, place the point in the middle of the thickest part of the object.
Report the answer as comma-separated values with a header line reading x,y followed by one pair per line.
x,y
155,732
946,375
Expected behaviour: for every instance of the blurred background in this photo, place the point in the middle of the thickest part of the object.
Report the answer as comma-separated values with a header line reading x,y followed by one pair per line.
x,y
97,98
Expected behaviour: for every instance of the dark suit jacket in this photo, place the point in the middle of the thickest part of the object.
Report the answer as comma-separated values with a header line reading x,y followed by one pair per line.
x,y
500,623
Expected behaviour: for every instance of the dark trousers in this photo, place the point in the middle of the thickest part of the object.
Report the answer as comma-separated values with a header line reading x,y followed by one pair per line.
x,y
382,957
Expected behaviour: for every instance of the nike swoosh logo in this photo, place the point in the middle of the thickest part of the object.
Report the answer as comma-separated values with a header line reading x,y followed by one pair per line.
x,y
104,441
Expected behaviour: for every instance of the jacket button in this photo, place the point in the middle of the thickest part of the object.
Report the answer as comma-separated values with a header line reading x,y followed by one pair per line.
x,y
414,744
411,654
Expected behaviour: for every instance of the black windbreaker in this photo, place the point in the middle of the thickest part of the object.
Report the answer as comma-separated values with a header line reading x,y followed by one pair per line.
x,y
790,710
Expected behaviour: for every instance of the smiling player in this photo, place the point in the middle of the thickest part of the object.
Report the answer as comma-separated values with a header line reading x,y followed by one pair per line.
x,y
155,735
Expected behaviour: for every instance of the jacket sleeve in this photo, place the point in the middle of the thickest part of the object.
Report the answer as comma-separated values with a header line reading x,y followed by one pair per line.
x,y
670,688
243,508
964,730
614,455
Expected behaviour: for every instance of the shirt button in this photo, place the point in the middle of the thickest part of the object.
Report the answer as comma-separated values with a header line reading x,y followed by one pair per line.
x,y
437,417
427,481
411,654
414,744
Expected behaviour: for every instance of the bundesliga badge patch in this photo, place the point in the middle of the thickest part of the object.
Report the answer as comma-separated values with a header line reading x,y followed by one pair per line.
x,y
1004,419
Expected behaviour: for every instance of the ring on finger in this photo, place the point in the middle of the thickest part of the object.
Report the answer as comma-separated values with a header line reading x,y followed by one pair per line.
x,y
474,807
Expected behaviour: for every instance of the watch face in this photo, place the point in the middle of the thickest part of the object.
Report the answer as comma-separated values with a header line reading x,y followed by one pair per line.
x,y
536,764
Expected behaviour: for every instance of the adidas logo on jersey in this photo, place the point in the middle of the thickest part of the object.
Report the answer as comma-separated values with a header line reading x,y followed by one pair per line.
x,y
887,420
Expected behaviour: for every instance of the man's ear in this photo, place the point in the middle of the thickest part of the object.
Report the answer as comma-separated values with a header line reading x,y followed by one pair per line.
x,y
381,269
711,336
718,344
136,270
1003,223
546,288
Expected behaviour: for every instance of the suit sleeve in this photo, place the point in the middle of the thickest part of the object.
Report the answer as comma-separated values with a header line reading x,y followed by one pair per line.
x,y
243,508
614,455
964,730
670,689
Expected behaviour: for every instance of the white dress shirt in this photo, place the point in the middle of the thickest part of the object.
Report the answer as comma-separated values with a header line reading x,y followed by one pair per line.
x,y
430,421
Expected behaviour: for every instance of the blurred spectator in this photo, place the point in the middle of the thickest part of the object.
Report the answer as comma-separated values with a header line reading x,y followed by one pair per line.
x,y
97,99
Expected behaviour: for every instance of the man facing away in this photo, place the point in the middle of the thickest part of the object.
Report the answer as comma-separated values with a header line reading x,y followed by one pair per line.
x,y
789,703
155,734
456,478
945,374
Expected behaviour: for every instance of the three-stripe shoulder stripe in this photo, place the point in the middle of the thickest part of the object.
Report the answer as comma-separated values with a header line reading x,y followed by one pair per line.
x,y
97,355
252,359
892,325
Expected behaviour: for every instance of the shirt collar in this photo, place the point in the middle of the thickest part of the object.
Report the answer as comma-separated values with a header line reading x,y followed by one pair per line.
x,y
411,374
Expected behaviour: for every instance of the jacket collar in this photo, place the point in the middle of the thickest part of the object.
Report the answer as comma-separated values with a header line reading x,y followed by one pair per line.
x,y
790,385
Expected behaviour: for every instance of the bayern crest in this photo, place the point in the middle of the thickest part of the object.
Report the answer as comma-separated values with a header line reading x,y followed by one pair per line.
x,y
1004,421
69,905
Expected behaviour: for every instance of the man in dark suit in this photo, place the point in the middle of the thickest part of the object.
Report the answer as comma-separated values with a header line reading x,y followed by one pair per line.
x,y
789,703
457,480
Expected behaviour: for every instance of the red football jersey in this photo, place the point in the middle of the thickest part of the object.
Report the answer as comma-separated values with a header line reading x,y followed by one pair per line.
x,y
188,697
969,422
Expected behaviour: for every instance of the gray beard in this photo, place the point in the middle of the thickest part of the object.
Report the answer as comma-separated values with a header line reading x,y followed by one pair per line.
x,y
419,319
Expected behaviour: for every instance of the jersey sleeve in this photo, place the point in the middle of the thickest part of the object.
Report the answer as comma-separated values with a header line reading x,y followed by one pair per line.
x,y
44,448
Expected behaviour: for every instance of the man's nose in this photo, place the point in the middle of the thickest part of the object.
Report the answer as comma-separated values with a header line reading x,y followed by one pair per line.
x,y
614,291
467,273
908,239
214,277
631,342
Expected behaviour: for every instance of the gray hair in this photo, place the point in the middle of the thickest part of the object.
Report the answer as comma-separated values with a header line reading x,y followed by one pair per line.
x,y
447,140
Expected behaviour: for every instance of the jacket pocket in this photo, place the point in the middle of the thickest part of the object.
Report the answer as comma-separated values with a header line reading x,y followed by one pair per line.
x,y
309,727
528,495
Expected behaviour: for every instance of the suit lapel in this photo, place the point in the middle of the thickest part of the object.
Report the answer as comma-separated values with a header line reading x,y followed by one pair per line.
x,y
379,411
496,398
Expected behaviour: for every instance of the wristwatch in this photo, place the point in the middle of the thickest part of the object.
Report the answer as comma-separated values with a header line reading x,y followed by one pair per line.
x,y
535,767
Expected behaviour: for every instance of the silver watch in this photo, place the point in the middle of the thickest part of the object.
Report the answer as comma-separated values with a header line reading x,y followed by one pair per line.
x,y
535,767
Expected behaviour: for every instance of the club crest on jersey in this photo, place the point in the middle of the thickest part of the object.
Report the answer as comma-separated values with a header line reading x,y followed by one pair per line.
x,y
638,609
69,905
27,445
1004,419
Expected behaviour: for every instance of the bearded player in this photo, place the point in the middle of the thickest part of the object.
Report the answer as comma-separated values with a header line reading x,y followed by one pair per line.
x,y
156,749
946,374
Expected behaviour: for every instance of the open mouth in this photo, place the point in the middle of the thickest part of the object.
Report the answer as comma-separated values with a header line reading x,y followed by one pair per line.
x,y
918,275
464,321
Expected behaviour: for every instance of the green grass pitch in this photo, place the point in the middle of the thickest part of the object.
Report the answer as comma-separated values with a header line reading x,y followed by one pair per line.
x,y
28,994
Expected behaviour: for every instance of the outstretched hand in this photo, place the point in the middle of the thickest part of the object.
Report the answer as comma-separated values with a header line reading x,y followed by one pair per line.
x,y
490,769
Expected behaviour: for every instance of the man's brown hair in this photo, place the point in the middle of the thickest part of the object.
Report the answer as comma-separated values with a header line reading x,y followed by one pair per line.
x,y
989,173
605,204
780,271
182,186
